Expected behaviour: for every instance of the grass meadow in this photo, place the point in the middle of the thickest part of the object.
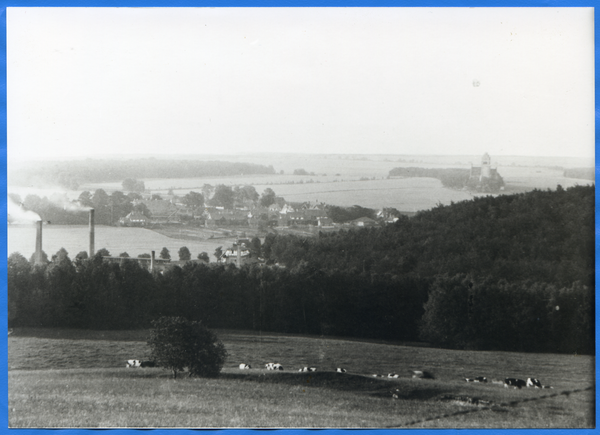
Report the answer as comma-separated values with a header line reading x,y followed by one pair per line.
x,y
76,378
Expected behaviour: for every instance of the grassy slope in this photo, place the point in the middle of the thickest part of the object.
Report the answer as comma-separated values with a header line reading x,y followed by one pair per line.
x,y
60,378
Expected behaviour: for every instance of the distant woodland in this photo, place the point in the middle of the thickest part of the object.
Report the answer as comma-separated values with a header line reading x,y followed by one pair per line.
x,y
513,272
583,173
450,177
72,174
453,178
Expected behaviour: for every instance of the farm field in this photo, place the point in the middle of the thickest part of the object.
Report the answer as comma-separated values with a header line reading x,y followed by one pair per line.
x,y
75,238
368,187
337,179
77,378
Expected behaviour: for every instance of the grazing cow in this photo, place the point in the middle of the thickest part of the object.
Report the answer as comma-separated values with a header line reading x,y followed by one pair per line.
x,y
533,382
245,366
515,383
274,366
477,379
308,369
422,374
392,375
340,370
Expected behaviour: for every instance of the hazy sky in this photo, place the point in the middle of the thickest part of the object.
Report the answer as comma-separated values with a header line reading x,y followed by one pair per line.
x,y
93,81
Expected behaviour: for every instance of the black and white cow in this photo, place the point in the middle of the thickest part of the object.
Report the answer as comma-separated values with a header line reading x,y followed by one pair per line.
x,y
515,383
274,366
308,369
340,370
533,382
393,375
244,366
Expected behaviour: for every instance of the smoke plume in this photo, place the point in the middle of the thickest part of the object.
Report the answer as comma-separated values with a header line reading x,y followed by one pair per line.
x,y
17,214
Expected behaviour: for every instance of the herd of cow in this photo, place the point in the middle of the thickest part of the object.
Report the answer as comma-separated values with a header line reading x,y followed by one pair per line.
x,y
512,382
508,382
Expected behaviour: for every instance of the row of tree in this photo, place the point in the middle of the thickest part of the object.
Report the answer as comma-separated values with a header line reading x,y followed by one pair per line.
x,y
455,311
72,174
454,178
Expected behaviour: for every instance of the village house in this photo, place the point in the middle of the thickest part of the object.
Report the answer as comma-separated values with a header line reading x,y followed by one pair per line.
x,y
164,211
134,219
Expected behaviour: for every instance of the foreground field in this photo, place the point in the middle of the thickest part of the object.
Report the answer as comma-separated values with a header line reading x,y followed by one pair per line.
x,y
71,378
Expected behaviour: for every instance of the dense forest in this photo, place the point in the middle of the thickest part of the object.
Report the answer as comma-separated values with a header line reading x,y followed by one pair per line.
x,y
507,273
72,174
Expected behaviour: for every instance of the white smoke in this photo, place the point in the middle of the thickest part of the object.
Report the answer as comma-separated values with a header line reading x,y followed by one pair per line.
x,y
17,214
62,201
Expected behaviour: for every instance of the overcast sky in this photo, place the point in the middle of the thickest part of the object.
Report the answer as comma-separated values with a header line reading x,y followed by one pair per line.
x,y
509,81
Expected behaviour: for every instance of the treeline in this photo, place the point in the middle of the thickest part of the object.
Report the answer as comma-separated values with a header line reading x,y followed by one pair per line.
x,y
450,177
543,236
92,293
582,173
72,174
452,311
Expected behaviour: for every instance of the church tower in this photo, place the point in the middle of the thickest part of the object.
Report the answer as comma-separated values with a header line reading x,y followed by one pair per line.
x,y
486,167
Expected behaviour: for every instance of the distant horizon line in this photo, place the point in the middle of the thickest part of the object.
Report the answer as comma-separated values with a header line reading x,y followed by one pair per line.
x,y
275,153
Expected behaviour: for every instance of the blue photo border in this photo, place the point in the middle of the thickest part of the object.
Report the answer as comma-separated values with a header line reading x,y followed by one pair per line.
x,y
240,3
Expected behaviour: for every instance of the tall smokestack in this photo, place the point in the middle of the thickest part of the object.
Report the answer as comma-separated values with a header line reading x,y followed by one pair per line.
x,y
152,262
91,232
239,255
38,242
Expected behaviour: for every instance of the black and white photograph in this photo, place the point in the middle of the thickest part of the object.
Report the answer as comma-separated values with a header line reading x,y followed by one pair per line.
x,y
294,218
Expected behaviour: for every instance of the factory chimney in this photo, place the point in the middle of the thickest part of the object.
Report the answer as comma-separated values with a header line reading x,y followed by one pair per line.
x,y
239,255
38,243
91,232
152,261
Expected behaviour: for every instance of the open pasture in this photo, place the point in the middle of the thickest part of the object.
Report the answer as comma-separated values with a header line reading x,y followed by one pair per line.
x,y
75,238
75,378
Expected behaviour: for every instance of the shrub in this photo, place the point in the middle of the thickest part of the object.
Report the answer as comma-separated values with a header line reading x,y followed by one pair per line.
x,y
177,343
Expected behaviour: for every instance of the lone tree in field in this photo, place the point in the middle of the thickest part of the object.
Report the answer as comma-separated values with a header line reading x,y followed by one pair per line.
x,y
177,343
